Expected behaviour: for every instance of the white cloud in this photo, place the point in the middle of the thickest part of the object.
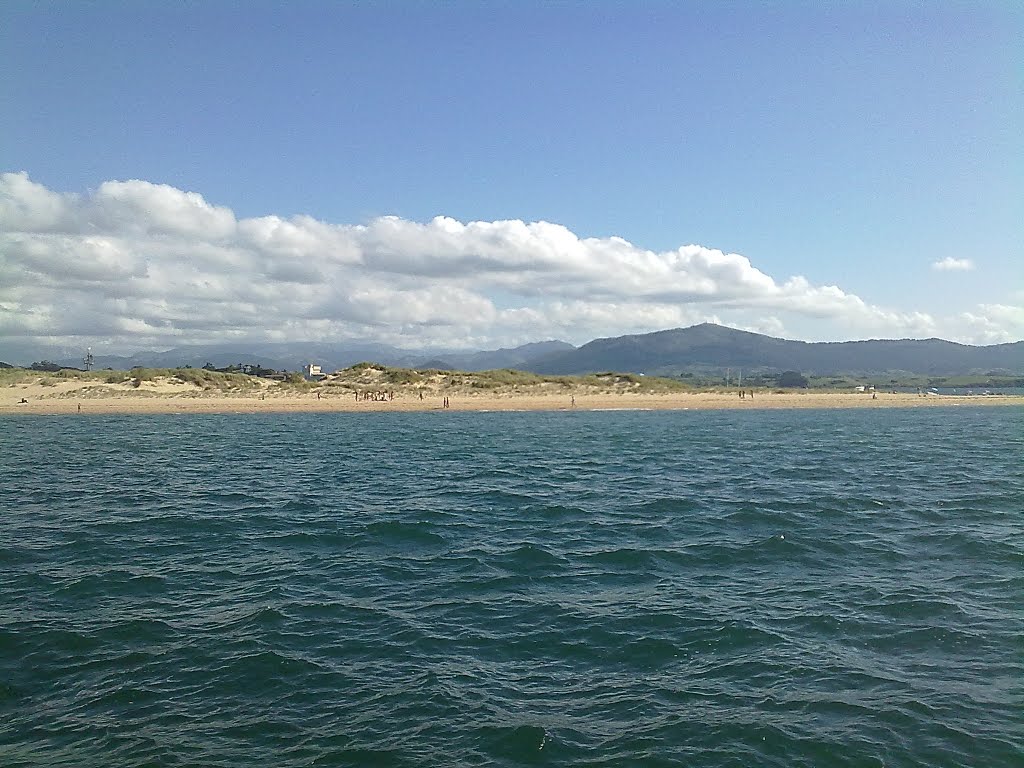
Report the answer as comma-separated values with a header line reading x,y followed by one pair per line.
x,y
992,324
31,207
135,264
138,206
949,264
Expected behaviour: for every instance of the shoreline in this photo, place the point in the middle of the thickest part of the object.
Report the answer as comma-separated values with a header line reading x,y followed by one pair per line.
x,y
51,403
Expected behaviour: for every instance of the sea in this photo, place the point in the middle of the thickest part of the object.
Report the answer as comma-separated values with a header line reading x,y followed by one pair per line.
x,y
576,588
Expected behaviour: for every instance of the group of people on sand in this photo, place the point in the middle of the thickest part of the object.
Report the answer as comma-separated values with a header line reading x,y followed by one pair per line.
x,y
745,392
380,396
384,396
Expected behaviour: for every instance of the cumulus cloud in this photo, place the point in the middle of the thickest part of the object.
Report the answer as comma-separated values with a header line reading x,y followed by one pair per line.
x,y
993,324
949,264
136,264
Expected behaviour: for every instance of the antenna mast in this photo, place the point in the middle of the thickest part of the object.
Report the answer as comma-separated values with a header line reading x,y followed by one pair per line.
x,y
88,359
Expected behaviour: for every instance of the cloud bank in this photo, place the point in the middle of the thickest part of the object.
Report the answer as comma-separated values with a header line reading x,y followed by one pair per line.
x,y
134,264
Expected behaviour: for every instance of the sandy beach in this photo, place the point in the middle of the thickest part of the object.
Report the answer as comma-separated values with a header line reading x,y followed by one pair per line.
x,y
72,397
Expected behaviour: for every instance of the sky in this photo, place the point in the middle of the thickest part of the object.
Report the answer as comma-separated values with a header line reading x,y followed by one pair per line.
x,y
485,174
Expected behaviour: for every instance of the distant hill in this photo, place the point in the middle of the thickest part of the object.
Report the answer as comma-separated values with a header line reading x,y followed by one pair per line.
x,y
293,356
517,358
713,347
290,356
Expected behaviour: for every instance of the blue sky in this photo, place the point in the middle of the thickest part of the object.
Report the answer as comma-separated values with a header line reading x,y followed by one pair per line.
x,y
852,147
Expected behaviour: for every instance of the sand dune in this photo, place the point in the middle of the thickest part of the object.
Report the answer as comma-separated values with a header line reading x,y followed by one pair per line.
x,y
87,397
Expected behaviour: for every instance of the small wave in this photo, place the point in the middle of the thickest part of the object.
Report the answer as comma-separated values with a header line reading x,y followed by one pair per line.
x,y
344,758
667,507
9,694
628,558
119,582
16,556
137,631
301,505
405,533
559,512
316,540
520,743
46,640
265,667
529,559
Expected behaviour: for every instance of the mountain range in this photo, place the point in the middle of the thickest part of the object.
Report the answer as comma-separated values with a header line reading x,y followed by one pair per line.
x,y
292,356
705,348
709,347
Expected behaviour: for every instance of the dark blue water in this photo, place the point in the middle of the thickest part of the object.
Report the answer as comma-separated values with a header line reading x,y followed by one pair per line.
x,y
801,588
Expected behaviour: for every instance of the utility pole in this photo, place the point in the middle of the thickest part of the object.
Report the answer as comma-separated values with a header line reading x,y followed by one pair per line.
x,y
88,359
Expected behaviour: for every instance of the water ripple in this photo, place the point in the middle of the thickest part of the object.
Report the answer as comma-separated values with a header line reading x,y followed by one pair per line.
x,y
573,589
